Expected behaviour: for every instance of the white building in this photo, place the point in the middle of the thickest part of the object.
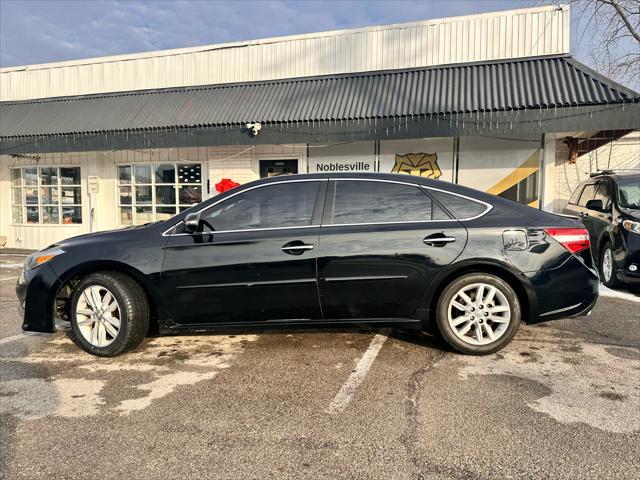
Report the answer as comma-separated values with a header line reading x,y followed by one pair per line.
x,y
483,100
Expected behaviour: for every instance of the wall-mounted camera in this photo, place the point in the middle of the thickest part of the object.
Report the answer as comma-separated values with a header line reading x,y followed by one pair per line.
x,y
254,128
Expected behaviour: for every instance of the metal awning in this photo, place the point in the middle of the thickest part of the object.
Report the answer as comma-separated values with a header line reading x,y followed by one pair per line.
x,y
515,85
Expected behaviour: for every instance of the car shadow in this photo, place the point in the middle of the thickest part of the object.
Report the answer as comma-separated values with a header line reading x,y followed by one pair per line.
x,y
414,337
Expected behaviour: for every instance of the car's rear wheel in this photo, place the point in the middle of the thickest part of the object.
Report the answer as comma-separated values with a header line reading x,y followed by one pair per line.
x,y
478,313
109,314
607,266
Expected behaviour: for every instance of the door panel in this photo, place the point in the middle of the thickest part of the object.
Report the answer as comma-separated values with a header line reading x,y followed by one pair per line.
x,y
380,244
255,260
242,276
382,271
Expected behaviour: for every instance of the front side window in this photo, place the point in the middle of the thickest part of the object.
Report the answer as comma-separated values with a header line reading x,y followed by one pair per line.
x,y
629,192
604,193
46,195
587,194
281,205
358,201
150,192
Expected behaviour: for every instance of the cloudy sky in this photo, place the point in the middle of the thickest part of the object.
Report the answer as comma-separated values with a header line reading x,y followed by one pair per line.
x,y
36,31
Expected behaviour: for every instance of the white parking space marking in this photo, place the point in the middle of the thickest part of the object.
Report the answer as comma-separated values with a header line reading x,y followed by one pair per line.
x,y
10,339
22,336
607,292
345,394
10,265
8,278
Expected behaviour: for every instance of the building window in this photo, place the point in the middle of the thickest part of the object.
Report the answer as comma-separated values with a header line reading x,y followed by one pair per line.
x,y
46,195
149,192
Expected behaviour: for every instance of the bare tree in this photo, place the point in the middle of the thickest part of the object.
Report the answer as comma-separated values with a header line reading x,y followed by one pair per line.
x,y
607,36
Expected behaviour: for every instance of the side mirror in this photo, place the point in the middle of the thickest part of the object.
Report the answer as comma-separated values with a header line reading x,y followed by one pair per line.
x,y
595,204
192,222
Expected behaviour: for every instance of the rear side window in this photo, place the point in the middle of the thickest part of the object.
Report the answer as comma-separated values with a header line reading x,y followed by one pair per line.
x,y
359,201
576,195
587,194
604,194
460,207
280,205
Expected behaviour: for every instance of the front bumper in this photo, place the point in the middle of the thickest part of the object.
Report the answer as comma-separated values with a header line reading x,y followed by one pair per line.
x,y
627,256
36,299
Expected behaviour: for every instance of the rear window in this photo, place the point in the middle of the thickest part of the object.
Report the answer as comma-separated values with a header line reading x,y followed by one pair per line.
x,y
361,201
460,207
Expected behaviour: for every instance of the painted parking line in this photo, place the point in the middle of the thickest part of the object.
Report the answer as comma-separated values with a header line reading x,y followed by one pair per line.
x,y
22,336
8,278
343,397
607,292
11,265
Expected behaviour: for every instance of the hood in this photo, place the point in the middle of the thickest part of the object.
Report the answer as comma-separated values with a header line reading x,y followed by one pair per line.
x,y
106,235
631,213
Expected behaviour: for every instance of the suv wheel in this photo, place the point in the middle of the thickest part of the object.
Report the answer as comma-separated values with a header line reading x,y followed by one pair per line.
x,y
607,267
478,314
109,314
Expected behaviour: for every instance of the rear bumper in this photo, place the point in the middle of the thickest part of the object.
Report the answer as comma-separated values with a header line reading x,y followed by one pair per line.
x,y
570,290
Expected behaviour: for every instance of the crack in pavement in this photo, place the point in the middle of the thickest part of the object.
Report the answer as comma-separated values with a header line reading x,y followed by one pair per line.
x,y
409,439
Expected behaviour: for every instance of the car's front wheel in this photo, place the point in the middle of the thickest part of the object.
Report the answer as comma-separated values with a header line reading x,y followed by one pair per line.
x,y
478,313
109,314
607,267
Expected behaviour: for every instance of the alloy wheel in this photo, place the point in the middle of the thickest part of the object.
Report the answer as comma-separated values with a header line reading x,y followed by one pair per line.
x,y
479,314
607,264
98,315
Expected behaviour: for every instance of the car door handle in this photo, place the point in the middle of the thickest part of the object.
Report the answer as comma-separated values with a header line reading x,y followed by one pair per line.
x,y
437,241
296,248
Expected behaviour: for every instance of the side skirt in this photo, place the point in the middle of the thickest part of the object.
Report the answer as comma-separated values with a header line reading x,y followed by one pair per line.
x,y
297,324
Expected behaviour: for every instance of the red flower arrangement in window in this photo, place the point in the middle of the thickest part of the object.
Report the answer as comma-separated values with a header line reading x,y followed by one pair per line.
x,y
226,184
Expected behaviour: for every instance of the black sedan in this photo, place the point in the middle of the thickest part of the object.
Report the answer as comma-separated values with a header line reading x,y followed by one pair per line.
x,y
309,250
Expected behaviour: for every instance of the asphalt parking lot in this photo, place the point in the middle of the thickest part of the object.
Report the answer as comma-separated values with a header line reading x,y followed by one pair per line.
x,y
562,401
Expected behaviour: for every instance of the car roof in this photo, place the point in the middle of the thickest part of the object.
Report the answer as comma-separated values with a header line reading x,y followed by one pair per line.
x,y
615,175
391,177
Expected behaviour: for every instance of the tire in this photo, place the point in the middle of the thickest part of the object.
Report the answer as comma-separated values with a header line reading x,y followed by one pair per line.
x,y
607,266
105,330
500,318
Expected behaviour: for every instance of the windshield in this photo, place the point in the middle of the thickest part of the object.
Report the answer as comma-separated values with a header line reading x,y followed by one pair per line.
x,y
629,192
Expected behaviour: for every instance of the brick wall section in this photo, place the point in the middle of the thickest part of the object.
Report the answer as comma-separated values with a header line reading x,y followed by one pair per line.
x,y
240,163
623,153
234,162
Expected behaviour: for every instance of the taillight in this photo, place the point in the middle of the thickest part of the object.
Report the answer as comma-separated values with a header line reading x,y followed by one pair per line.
x,y
573,239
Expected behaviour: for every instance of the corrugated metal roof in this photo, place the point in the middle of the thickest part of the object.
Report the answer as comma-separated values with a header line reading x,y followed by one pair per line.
x,y
498,86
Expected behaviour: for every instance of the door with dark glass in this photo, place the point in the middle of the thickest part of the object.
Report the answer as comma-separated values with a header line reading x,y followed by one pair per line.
x,y
253,261
381,243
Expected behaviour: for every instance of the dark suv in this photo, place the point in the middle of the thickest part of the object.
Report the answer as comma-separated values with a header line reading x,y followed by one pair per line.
x,y
609,206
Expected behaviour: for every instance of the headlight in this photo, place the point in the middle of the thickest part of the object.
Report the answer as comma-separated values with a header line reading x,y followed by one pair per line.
x,y
631,226
36,259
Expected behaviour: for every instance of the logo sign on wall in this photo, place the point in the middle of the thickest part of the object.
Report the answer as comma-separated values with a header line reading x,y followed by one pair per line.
x,y
420,164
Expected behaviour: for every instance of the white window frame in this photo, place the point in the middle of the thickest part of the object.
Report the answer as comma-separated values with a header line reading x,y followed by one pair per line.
x,y
40,205
153,205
